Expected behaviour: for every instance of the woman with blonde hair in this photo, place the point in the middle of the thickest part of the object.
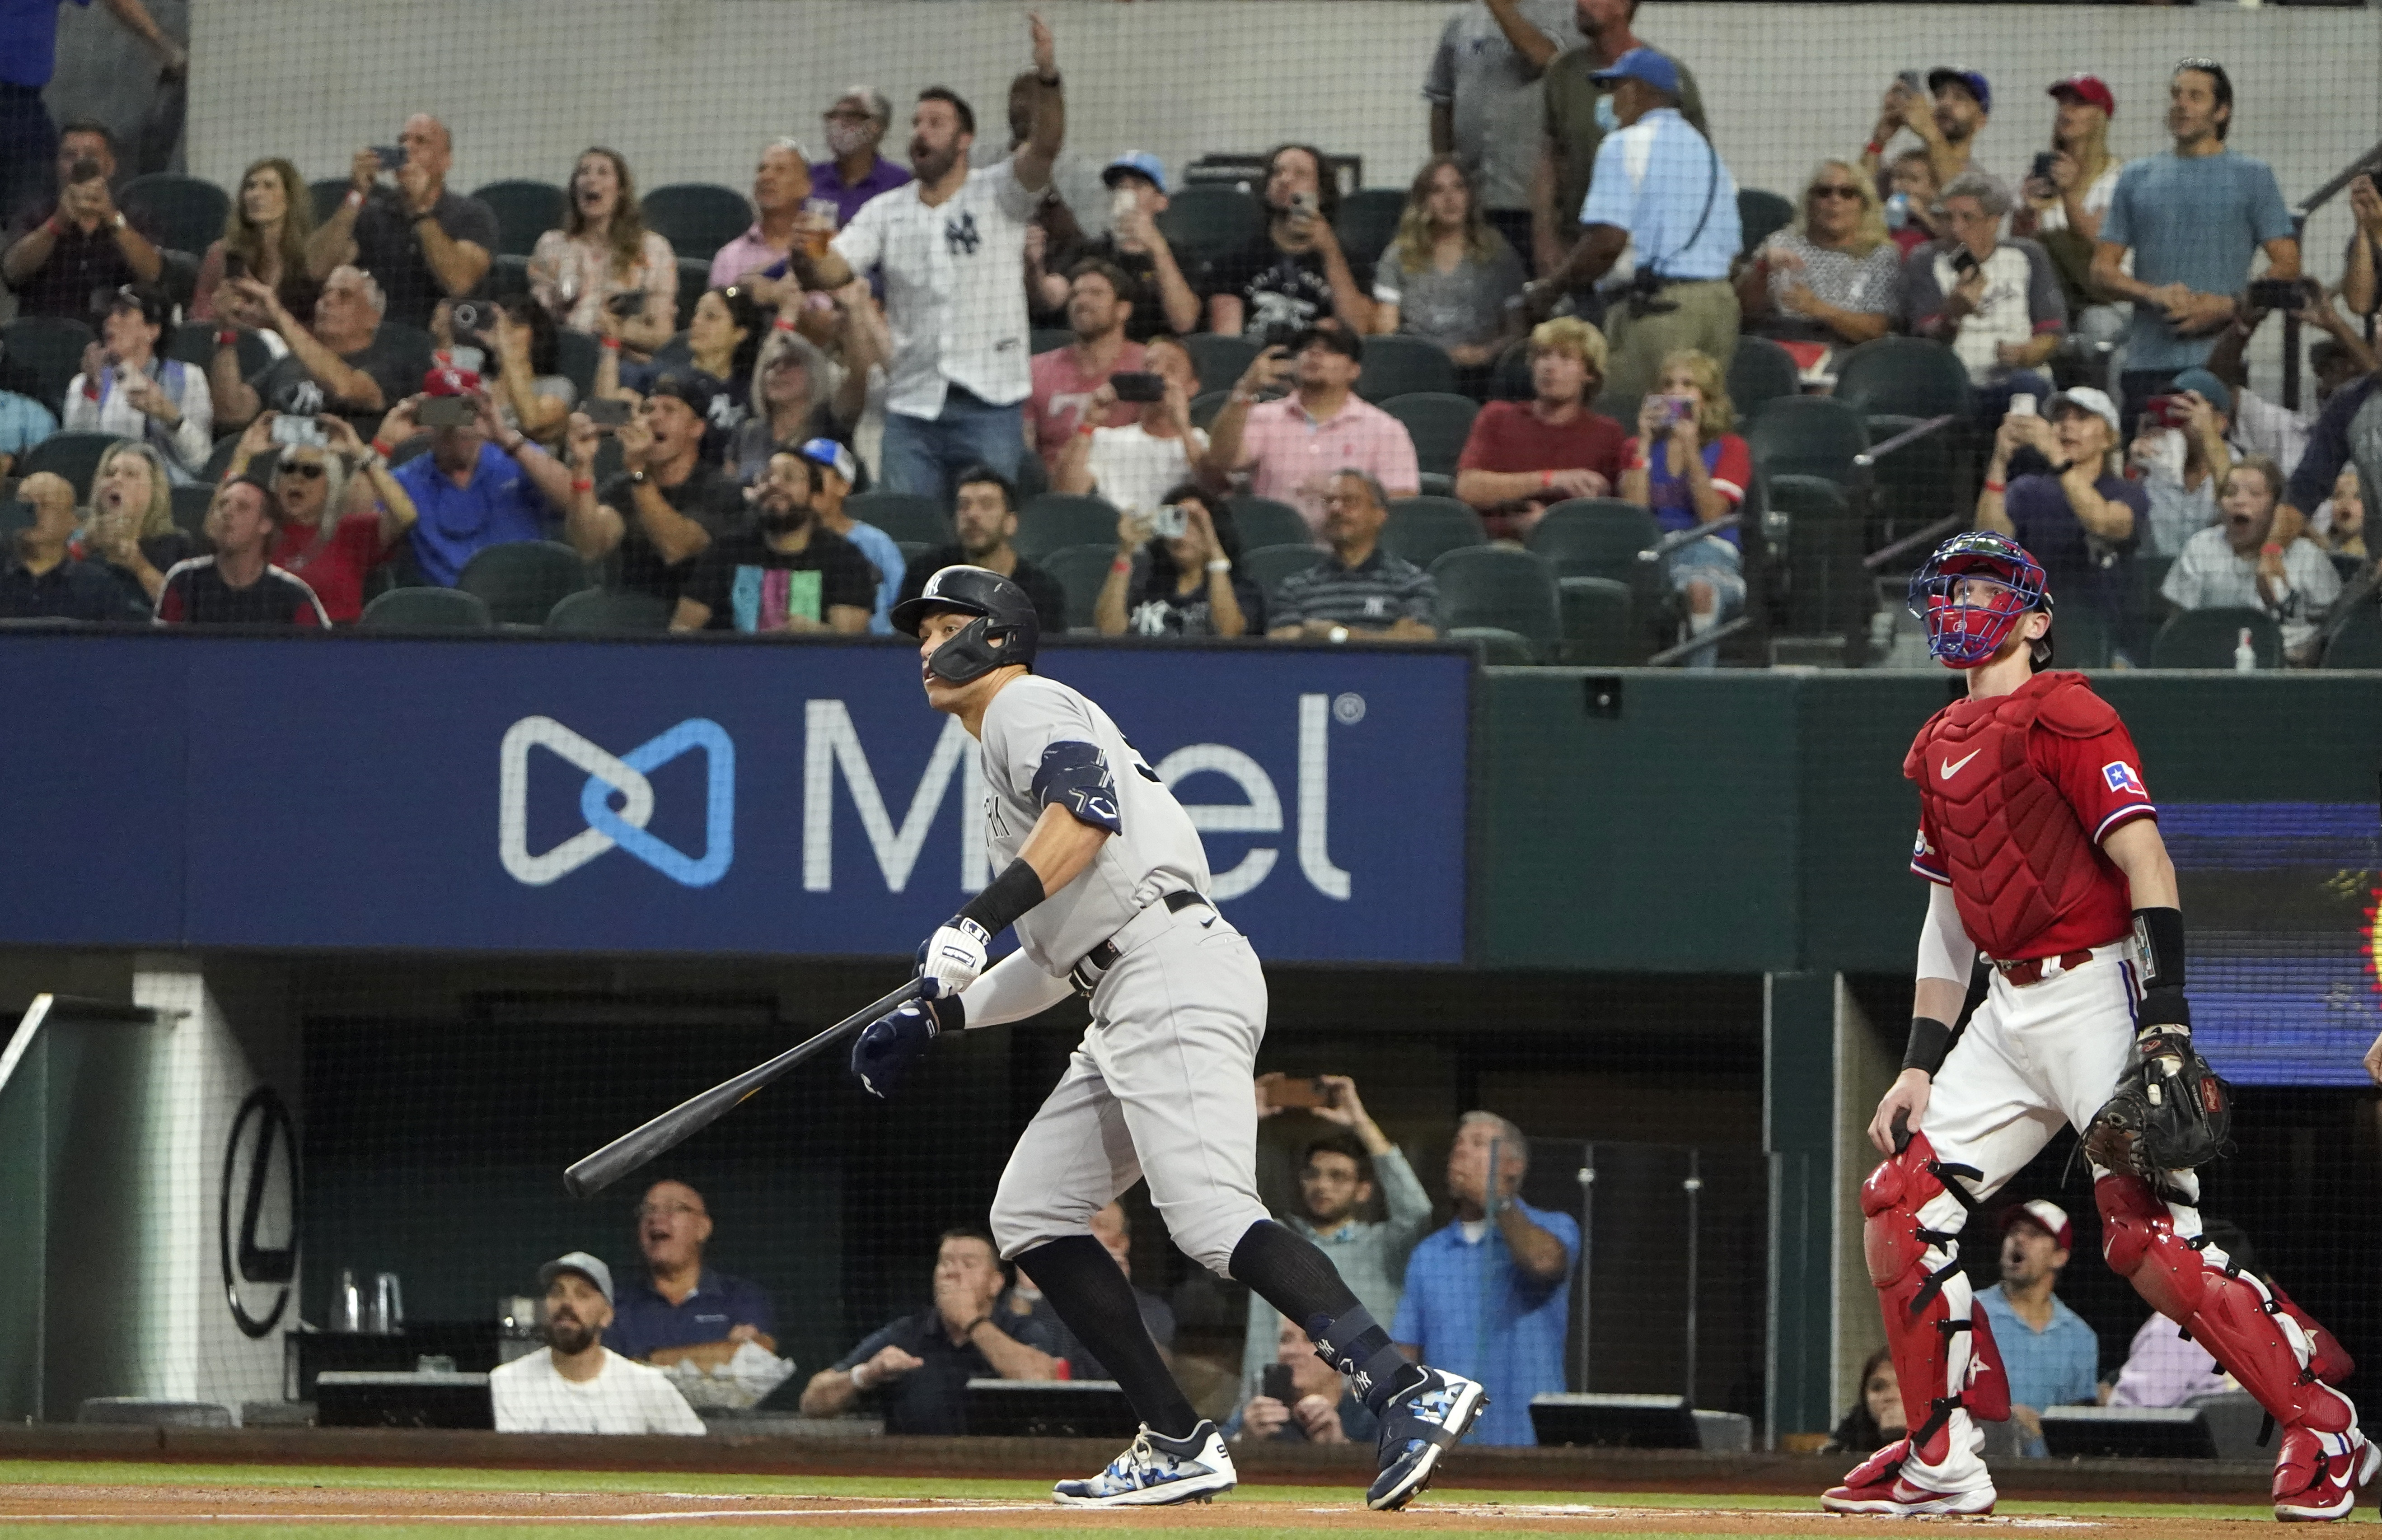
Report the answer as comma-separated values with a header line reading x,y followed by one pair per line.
x,y
2064,209
1832,278
130,528
1447,275
264,238
604,251
1691,469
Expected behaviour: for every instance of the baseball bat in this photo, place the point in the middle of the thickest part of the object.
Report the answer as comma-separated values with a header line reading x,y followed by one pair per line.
x,y
594,1172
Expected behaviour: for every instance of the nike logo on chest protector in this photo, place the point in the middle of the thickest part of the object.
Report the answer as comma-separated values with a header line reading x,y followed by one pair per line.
x,y
1953,766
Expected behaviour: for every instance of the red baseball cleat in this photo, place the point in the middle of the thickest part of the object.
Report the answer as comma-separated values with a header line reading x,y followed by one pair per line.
x,y
1876,1486
2312,1486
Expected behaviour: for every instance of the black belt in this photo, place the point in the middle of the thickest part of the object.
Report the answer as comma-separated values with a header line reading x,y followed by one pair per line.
x,y
1105,956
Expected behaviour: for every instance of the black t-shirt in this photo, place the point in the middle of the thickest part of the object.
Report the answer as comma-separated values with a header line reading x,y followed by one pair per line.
x,y
1277,288
71,591
387,248
1152,613
1049,599
749,587
196,595
286,386
160,551
1148,318
932,1398
705,497
83,272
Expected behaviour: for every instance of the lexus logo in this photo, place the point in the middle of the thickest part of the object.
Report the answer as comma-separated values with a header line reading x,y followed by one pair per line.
x,y
250,1269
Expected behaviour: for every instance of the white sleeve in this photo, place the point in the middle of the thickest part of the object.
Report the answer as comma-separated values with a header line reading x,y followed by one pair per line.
x,y
1945,949
860,243
194,436
1010,990
666,1409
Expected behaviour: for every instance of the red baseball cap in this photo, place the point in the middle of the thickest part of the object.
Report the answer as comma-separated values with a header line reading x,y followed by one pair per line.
x,y
2089,88
2045,1215
448,380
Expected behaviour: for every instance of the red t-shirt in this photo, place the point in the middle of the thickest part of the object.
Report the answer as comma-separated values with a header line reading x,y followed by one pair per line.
x,y
335,569
1062,390
1508,437
2100,778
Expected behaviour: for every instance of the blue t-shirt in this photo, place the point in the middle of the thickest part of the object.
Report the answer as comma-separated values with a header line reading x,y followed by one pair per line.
x,y
2075,569
885,555
2059,1366
25,423
2194,220
29,41
643,1320
502,505
1473,1312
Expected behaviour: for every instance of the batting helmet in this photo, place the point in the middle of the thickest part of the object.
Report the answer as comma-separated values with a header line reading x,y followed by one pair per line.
x,y
1965,632
1005,630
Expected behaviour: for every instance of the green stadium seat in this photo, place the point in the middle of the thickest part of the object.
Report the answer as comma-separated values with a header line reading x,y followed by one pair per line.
x,y
1266,565
73,456
193,342
187,212
1598,630
2206,638
1205,407
1402,366
1501,586
327,195
1058,520
1903,376
520,581
1367,221
1437,423
694,278
1826,590
902,515
1079,570
1048,339
1761,215
524,210
1203,221
1421,530
2356,640
1263,522
1596,537
1220,358
576,354
1495,646
39,356
696,218
1759,371
190,505
609,612
427,610
1807,435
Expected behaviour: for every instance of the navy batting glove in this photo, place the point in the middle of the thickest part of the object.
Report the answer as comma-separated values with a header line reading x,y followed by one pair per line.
x,y
886,1045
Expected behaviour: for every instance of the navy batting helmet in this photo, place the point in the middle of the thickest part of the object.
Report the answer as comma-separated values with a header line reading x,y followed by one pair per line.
x,y
1006,630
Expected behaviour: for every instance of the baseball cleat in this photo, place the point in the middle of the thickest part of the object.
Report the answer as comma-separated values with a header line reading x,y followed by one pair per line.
x,y
1418,1426
1896,1498
2311,1486
1155,1470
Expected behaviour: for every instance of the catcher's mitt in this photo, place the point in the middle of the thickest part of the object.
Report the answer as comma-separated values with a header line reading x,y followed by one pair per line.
x,y
2170,1111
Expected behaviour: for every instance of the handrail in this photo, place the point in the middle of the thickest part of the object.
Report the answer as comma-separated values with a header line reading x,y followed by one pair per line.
x,y
1870,456
1677,538
1933,532
1711,637
2370,161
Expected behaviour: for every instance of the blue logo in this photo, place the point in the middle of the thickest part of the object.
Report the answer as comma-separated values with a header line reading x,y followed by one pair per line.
x,y
624,828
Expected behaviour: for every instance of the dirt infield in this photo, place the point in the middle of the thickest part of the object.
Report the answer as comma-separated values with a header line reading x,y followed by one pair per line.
x,y
111,1498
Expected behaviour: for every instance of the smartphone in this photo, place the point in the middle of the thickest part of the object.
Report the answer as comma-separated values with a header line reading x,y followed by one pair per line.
x,y
1913,80
606,411
2277,294
2022,405
445,411
1169,522
627,303
392,156
235,265
1676,408
1964,262
85,169
1302,205
292,433
1279,334
1275,1382
2042,170
1134,385
2168,411
1299,1093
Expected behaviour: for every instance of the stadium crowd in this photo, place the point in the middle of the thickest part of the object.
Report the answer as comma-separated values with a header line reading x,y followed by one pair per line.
x,y
1169,405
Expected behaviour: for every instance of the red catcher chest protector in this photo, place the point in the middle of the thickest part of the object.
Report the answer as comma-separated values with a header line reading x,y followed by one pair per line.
x,y
2016,853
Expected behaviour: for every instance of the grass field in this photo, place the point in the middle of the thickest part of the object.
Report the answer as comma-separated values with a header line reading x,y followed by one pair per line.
x,y
286,1502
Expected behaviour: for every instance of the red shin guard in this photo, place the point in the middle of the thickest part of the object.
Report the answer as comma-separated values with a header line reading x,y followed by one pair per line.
x,y
1912,1267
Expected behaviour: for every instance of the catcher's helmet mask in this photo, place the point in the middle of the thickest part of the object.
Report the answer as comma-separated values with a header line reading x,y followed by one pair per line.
x,y
1961,633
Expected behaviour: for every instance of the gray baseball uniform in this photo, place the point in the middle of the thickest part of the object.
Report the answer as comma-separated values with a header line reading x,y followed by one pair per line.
x,y
1160,1085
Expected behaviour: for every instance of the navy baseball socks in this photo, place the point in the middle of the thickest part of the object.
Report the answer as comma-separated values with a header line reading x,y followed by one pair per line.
x,y
1095,1299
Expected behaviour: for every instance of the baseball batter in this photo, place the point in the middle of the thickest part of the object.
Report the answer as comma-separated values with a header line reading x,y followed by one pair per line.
x,y
2054,891
1104,877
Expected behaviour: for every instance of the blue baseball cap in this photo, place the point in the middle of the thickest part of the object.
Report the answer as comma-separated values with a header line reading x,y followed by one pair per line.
x,y
1141,163
1642,64
2210,388
826,453
1970,80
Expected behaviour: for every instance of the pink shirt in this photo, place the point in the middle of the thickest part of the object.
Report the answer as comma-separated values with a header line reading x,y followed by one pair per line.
x,y
1062,390
743,256
1292,458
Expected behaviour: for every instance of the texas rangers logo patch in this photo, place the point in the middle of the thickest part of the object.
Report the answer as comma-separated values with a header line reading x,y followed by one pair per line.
x,y
2121,778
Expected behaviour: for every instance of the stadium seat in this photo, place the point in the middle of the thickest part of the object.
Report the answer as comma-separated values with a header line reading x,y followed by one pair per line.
x,y
1512,380
73,456
16,517
1033,478
905,516
1438,424
1266,565
190,505
508,277
912,550
1057,519
1421,530
193,342
1079,572
219,459
1496,585
427,610
1205,407
1402,366
1826,590
1903,376
2205,639
1596,537
1263,522
1367,221
1495,646
2081,638
1761,215
39,356
1597,627
415,348
2356,640
327,195
1807,435
524,210
1203,221
1761,371
1220,358
187,212
1048,339
522,581
609,612
576,354
693,278
696,218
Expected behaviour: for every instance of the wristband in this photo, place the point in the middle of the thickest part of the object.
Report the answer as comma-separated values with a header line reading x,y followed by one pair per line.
x,y
1930,1040
1009,895
226,338
611,342
1875,147
781,324
355,198
1088,428
1221,564
1123,564
1997,486
857,1383
1546,478
380,446
583,483
2271,548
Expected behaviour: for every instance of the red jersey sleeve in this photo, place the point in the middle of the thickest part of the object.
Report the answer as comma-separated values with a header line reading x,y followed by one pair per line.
x,y
2100,776
1733,473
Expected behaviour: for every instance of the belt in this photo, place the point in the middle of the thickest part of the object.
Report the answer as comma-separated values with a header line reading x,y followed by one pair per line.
x,y
2033,970
1108,954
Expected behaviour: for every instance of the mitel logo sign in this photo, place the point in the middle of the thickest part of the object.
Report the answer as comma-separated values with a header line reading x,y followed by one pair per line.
x,y
607,829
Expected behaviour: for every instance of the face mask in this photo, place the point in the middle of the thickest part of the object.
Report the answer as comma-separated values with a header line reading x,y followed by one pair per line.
x,y
845,139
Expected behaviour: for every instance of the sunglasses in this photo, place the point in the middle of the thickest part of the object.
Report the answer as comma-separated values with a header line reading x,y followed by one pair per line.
x,y
301,469
1836,192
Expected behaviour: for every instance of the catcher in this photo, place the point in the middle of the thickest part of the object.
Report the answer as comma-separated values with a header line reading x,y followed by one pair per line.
x,y
2052,937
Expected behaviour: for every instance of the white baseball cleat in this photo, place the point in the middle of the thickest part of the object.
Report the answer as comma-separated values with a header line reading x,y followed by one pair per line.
x,y
1155,1470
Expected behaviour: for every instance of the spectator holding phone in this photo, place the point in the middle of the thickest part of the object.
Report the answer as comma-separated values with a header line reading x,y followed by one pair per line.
x,y
2244,562
1133,466
1832,278
2181,448
1947,116
62,253
343,363
1166,301
1292,275
1687,465
667,503
1913,194
1292,448
126,389
131,535
2067,193
2192,218
419,241
42,579
1995,302
337,508
483,482
2080,518
2263,427
264,238
1301,1400
605,256
238,583
1523,457
1447,276
529,390
1100,299
1188,551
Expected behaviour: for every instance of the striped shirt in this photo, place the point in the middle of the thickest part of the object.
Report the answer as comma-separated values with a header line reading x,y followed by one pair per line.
x,y
1376,594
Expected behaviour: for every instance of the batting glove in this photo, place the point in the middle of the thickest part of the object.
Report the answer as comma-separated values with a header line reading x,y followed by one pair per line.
x,y
886,1045
954,954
